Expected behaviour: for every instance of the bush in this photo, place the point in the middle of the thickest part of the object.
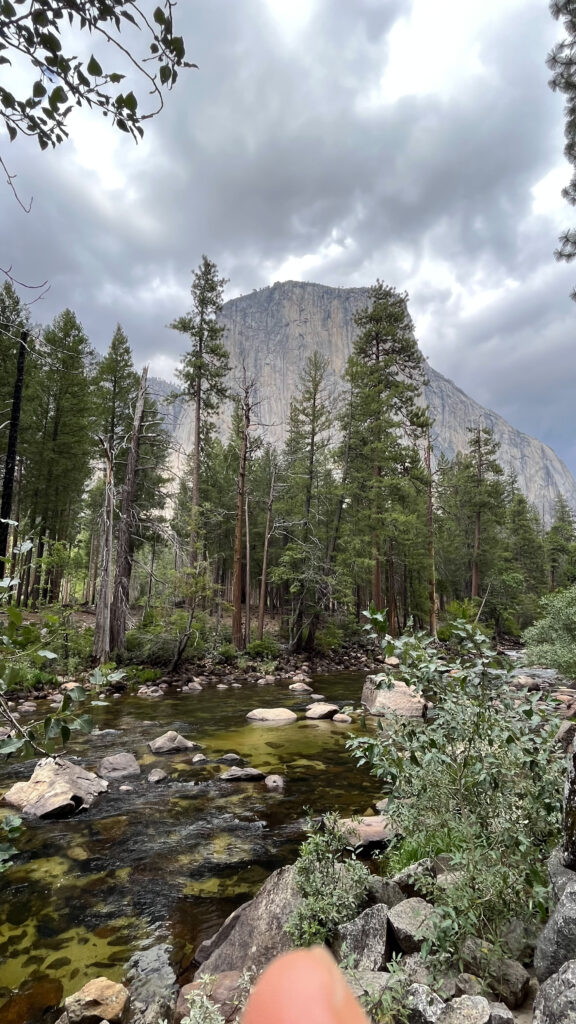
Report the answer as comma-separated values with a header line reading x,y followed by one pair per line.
x,y
481,782
551,641
227,653
267,648
329,638
332,883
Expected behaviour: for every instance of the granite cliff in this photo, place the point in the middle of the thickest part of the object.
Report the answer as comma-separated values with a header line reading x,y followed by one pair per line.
x,y
273,330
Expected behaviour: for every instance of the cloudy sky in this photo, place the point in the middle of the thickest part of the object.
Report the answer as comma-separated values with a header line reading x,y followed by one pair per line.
x,y
334,141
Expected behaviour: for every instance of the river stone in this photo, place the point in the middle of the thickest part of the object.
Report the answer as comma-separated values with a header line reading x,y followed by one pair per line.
x,y
411,922
423,1006
99,1000
321,710
366,938
199,758
300,688
56,789
118,766
399,700
342,719
157,775
231,758
223,990
274,782
238,774
557,942
254,933
365,831
466,1010
507,978
171,741
271,715
556,1000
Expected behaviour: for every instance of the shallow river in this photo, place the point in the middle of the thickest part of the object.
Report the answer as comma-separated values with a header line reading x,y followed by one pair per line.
x,y
166,863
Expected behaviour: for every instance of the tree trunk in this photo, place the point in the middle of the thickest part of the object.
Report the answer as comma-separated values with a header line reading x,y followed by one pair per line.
x,y
10,464
262,603
102,624
247,624
124,543
475,590
196,466
430,533
569,839
237,638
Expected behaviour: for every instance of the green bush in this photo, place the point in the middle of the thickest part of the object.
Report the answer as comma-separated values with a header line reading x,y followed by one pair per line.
x,y
329,638
227,653
481,782
332,883
267,648
551,641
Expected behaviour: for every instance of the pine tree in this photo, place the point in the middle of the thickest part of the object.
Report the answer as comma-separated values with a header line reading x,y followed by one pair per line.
x,y
562,63
561,545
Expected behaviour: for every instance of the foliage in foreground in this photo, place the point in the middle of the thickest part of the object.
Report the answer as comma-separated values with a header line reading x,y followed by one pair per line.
x,y
482,782
551,640
332,883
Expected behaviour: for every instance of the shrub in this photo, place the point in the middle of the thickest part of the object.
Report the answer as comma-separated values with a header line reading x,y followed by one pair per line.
x,y
482,782
332,883
227,653
267,648
551,640
329,638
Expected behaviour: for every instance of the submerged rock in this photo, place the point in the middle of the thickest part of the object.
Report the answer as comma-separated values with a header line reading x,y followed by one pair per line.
x,y
271,715
57,788
118,766
238,774
171,741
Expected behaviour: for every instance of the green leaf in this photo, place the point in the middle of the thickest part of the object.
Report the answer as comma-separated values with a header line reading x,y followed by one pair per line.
x,y
93,67
159,16
65,732
165,74
10,746
84,723
47,654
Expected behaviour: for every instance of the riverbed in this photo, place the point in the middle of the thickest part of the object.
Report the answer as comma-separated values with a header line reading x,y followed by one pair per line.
x,y
163,865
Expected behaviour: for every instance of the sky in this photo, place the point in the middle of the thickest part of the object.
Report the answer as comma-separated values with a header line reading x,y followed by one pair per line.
x,y
336,141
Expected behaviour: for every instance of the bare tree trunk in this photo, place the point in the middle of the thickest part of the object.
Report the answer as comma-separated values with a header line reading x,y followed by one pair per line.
x,y
196,466
247,624
11,452
392,617
262,603
102,624
151,573
16,529
124,544
430,532
237,638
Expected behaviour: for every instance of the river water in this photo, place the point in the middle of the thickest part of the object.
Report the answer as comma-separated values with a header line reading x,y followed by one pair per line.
x,y
166,863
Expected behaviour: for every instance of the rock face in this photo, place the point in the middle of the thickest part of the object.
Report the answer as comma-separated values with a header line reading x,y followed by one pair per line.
x,y
56,789
556,1000
399,700
557,942
254,934
273,330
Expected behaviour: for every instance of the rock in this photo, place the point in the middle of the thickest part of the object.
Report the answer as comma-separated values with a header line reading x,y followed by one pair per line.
x,y
274,782
317,696
423,1006
557,942
99,1000
366,938
373,982
384,890
126,789
468,985
56,789
411,923
157,775
199,758
222,989
36,1000
364,831
300,688
500,1014
399,700
556,1000
342,719
238,774
416,879
193,687
560,876
321,710
271,715
171,741
392,661
565,736
507,978
466,1010
231,758
152,983
520,938
301,677
255,933
118,766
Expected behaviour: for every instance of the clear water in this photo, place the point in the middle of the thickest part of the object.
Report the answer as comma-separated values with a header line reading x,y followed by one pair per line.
x,y
165,864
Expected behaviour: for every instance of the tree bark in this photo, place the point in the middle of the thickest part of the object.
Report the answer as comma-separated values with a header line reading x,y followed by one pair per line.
x,y
11,452
247,623
237,638
263,584
430,532
569,839
102,624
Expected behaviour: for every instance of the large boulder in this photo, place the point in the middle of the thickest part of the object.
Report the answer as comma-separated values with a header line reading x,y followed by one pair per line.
x,y
322,710
366,939
466,1010
56,789
400,699
255,933
366,831
558,873
223,990
507,978
99,1001
557,942
556,1000
118,766
384,890
411,923
422,1005
271,715
152,982
170,742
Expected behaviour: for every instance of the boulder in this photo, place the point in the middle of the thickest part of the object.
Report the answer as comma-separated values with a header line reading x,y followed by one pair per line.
x,y
255,933
468,985
466,1010
223,990
321,710
384,890
507,978
56,789
231,758
416,879
157,775
300,688
152,983
556,1000
374,983
342,719
411,923
365,831
500,1014
242,774
399,700
366,938
275,783
271,715
558,873
99,1000
118,766
171,741
422,1005
565,736
199,758
557,942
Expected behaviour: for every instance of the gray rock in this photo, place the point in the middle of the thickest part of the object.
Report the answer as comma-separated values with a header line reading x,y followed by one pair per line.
x,y
271,715
466,1010
366,938
118,766
416,879
399,699
152,983
556,1000
342,719
171,741
557,942
423,1006
300,687
373,983
199,758
239,774
520,938
507,978
411,923
384,890
255,933
558,873
231,758
468,985
500,1014
56,789
322,710
274,782
157,775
